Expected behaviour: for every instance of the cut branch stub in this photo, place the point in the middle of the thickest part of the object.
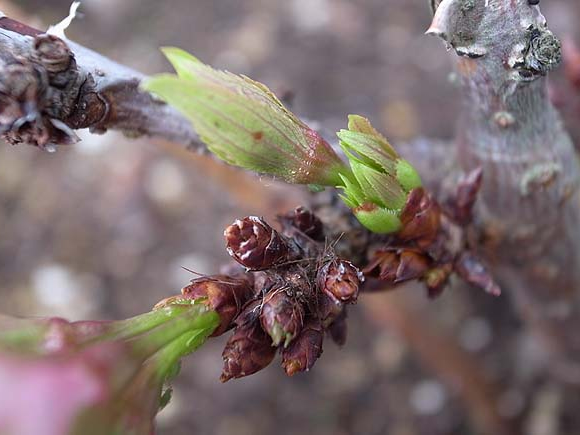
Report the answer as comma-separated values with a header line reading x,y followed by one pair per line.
x,y
477,28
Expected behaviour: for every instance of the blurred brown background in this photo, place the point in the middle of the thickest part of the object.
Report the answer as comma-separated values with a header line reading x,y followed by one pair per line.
x,y
101,230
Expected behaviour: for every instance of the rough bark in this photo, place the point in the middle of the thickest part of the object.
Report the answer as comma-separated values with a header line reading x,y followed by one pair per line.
x,y
62,87
529,207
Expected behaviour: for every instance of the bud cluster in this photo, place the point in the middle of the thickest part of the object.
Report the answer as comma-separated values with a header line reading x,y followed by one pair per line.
x,y
293,290
431,244
380,181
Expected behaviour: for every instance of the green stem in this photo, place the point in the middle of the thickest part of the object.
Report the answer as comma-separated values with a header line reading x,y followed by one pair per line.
x,y
166,359
135,326
193,318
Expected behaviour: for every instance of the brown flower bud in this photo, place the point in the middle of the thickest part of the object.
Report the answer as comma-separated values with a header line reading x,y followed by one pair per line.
x,y
224,294
421,217
255,244
469,267
248,351
307,222
339,328
384,266
340,280
465,196
282,317
303,352
23,103
328,309
395,267
412,266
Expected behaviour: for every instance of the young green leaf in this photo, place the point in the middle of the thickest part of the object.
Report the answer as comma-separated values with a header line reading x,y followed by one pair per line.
x,y
381,180
243,123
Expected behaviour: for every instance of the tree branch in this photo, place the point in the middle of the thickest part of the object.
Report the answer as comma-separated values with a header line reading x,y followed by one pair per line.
x,y
528,209
49,87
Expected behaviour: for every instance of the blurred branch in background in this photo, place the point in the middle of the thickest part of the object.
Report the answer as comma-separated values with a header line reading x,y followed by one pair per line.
x,y
440,353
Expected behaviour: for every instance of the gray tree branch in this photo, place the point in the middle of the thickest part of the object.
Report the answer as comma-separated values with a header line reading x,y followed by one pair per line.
x,y
529,206
49,88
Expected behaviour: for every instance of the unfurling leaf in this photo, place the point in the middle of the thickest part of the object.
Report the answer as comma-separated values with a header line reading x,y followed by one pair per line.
x,y
243,123
381,181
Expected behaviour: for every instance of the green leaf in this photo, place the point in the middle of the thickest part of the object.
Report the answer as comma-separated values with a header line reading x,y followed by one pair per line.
x,y
379,220
354,195
381,180
368,150
359,124
408,175
244,124
182,61
378,187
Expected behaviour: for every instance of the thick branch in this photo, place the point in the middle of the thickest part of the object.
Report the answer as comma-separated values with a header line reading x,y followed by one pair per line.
x,y
49,87
529,208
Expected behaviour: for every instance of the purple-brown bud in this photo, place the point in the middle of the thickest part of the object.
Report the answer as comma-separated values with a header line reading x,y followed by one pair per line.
x,y
307,222
395,267
339,329
224,294
255,244
412,266
328,309
303,352
282,317
465,196
421,217
340,280
383,265
248,351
